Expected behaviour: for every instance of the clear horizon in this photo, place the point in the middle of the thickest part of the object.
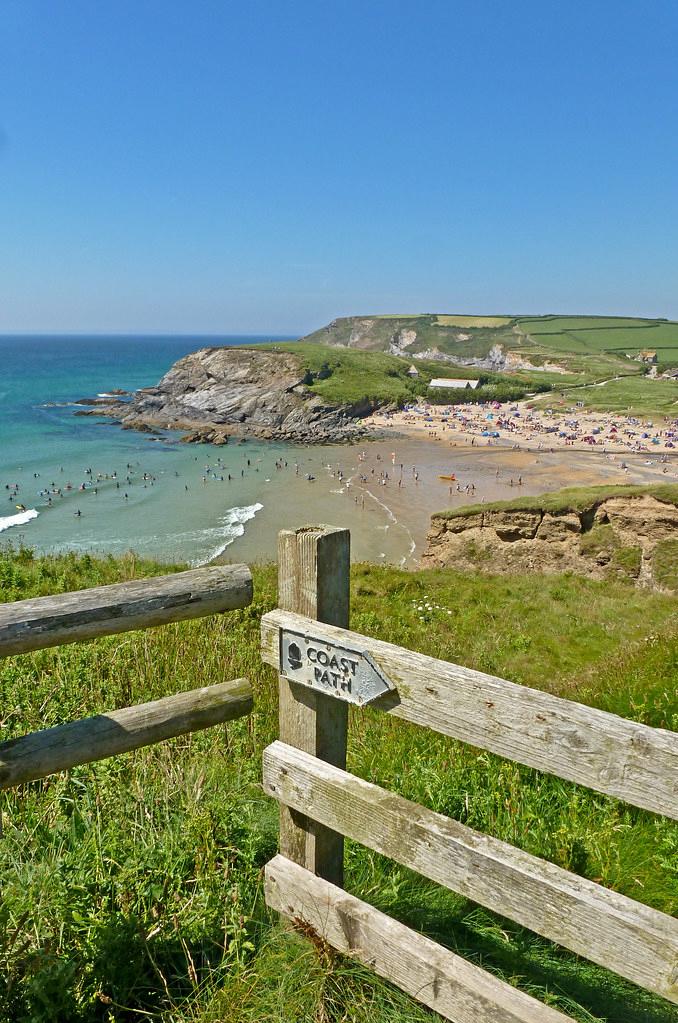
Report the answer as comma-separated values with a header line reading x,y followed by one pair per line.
x,y
263,169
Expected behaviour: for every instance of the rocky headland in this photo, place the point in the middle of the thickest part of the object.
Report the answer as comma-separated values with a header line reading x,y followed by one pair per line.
x,y
217,393
633,535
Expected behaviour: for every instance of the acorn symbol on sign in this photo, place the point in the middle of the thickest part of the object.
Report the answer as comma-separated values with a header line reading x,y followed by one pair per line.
x,y
294,656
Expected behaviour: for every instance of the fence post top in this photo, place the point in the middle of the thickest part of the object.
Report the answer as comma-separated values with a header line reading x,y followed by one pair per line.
x,y
321,529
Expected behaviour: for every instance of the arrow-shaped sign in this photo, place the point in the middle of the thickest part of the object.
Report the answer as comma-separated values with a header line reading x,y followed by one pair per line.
x,y
331,668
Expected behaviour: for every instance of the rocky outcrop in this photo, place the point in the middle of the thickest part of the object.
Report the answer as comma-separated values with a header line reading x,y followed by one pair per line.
x,y
215,393
623,537
498,360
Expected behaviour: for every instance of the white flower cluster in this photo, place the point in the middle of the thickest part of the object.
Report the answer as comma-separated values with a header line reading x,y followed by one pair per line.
x,y
427,611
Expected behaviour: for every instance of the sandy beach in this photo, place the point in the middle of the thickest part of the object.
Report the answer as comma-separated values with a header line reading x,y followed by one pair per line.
x,y
109,490
520,426
386,491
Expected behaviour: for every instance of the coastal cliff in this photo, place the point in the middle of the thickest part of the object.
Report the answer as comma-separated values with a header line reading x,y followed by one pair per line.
x,y
215,393
631,535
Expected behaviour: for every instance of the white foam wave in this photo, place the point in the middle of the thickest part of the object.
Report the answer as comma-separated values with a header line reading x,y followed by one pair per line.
x,y
18,520
231,527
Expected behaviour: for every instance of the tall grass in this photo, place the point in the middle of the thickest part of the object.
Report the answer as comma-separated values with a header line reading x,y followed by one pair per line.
x,y
131,888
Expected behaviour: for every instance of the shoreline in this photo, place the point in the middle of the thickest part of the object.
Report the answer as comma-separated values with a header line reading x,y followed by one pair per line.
x,y
384,489
371,494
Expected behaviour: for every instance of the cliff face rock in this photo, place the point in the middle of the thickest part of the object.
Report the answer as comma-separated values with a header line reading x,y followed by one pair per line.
x,y
217,392
624,537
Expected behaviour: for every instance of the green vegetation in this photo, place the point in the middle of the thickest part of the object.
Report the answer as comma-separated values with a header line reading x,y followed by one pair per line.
x,y
618,336
666,564
602,543
132,888
365,380
570,499
352,377
635,396
350,361
592,347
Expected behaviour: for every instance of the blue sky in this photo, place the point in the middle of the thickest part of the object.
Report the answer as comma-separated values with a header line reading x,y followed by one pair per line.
x,y
265,166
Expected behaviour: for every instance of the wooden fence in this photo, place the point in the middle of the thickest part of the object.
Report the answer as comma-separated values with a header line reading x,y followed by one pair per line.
x,y
322,668
102,611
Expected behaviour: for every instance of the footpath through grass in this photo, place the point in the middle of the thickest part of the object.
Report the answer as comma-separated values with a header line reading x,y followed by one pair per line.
x,y
132,888
641,397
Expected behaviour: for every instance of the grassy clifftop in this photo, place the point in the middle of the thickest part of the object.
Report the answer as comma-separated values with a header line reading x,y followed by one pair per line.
x,y
593,345
570,499
572,530
132,887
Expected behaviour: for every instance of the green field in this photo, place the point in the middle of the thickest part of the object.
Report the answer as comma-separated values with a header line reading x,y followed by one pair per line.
x,y
132,888
473,321
556,324
593,347
622,337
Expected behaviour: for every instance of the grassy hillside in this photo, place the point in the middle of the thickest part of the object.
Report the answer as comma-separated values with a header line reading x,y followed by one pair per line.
x,y
596,346
346,376
637,396
132,888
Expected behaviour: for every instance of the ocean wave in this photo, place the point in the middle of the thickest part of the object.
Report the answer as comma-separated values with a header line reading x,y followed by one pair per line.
x,y
212,541
20,519
232,525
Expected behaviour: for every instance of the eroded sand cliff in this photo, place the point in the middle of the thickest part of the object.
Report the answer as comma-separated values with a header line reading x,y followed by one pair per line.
x,y
633,537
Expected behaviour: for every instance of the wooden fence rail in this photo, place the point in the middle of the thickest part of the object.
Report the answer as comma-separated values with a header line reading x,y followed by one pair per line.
x,y
621,758
635,941
433,975
104,610
320,663
38,754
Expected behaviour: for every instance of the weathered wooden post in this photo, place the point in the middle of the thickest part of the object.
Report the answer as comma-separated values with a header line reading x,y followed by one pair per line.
x,y
313,580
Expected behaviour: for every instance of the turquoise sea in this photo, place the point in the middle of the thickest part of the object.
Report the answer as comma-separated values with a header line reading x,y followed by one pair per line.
x,y
177,505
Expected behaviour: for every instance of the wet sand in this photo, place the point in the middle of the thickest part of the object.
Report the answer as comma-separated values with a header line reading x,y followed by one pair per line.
x,y
389,521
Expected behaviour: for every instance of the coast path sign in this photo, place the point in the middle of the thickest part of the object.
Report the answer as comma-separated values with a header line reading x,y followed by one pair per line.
x,y
331,668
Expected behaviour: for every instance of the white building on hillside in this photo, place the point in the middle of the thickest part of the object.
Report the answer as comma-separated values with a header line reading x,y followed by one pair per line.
x,y
453,382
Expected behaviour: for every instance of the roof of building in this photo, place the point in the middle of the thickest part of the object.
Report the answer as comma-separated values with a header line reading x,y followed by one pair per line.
x,y
453,382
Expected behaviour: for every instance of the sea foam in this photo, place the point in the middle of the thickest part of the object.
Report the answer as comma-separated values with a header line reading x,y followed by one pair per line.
x,y
232,525
18,520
